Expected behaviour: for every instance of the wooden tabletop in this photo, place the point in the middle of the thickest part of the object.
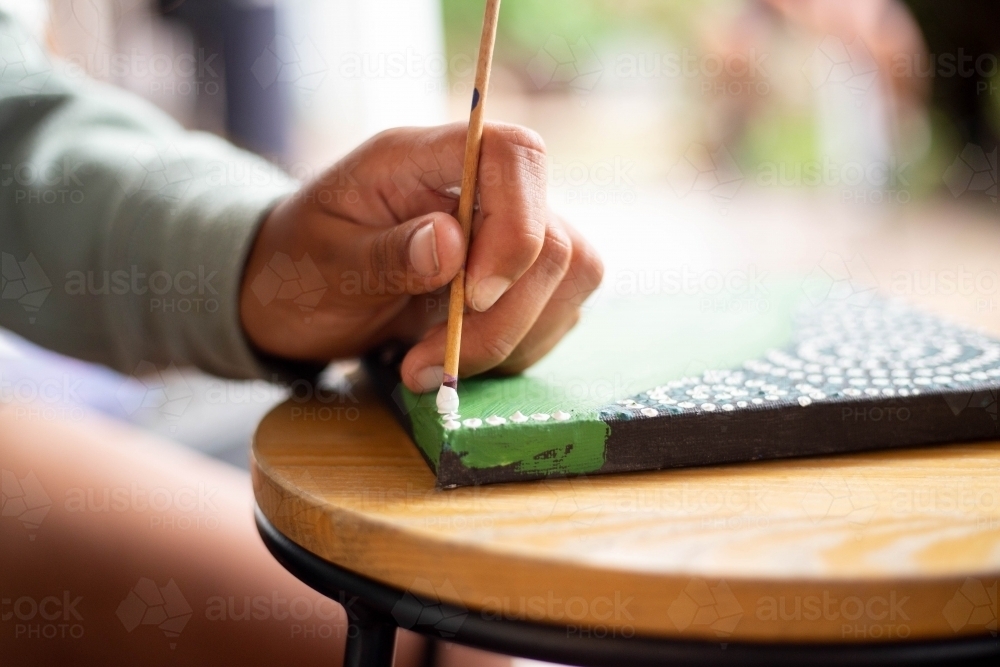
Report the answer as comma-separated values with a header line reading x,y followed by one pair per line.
x,y
884,545
880,546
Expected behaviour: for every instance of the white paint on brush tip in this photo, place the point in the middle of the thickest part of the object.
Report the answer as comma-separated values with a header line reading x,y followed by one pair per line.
x,y
447,400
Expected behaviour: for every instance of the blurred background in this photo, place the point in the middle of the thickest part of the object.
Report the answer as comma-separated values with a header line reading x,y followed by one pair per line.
x,y
767,136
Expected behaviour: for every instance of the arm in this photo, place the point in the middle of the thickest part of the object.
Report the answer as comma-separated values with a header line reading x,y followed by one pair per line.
x,y
124,236
135,240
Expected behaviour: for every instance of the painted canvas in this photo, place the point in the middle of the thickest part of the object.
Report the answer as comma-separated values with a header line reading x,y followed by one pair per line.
x,y
669,381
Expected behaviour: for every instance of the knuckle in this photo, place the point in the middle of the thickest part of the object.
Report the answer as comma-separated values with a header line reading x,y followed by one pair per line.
x,y
523,137
380,255
534,238
390,136
557,250
497,348
513,366
519,142
588,267
381,142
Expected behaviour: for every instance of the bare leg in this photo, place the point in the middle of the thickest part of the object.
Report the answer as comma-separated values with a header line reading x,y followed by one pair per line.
x,y
146,555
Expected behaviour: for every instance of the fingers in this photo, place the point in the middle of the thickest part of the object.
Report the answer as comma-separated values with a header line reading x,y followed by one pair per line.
x,y
524,325
423,172
417,173
488,338
512,191
372,264
563,310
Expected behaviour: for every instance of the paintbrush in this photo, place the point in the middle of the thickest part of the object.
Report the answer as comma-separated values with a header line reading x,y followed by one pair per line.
x,y
447,398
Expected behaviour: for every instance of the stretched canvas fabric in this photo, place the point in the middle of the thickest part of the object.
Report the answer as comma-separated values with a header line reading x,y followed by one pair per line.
x,y
665,381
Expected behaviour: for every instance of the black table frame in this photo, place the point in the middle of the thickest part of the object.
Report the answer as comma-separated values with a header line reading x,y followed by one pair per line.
x,y
375,611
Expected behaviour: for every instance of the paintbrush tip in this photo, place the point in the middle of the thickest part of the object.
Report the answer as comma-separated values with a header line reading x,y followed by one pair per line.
x,y
447,400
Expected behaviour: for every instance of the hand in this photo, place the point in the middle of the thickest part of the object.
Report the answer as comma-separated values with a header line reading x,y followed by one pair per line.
x,y
373,245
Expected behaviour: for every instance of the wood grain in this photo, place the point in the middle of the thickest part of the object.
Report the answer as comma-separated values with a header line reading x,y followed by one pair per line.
x,y
906,527
878,546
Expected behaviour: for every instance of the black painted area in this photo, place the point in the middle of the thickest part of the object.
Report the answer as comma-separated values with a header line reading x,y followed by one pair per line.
x,y
832,426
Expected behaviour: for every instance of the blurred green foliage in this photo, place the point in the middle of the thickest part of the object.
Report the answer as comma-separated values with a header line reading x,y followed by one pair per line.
x,y
525,25
783,126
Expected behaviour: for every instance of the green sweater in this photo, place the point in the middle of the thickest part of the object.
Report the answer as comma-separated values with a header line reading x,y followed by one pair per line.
x,y
123,236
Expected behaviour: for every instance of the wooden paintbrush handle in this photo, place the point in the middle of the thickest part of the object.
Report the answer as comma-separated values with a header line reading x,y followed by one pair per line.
x,y
467,198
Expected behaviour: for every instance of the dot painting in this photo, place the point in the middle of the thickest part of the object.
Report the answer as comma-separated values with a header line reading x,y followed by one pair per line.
x,y
800,379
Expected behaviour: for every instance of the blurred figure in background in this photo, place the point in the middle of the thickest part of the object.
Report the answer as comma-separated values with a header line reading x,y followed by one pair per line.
x,y
880,72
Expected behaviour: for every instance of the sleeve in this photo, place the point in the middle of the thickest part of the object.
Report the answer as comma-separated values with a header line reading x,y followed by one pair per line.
x,y
123,237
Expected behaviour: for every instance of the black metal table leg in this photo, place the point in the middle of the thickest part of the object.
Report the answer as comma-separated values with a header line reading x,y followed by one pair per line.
x,y
371,638
430,653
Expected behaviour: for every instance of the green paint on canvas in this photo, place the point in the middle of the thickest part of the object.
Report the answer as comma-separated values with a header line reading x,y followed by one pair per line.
x,y
621,348
575,446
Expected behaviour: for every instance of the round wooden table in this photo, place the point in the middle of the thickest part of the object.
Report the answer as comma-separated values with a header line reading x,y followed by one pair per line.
x,y
879,558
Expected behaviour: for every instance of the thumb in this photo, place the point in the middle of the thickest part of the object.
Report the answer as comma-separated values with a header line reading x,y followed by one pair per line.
x,y
415,257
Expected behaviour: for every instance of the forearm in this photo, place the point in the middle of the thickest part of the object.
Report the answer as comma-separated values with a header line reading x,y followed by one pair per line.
x,y
124,236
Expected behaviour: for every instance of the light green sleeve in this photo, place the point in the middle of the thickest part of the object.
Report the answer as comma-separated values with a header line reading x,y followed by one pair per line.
x,y
123,237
